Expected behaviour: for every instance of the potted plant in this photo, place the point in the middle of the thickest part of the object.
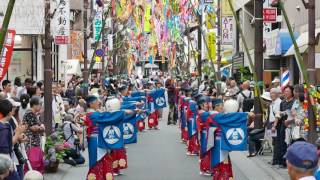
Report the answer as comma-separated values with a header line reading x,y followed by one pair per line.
x,y
55,150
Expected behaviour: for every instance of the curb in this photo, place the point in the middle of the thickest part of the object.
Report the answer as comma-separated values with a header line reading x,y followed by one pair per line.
x,y
254,168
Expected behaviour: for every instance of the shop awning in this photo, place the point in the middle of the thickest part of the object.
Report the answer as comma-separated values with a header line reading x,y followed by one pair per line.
x,y
278,42
302,42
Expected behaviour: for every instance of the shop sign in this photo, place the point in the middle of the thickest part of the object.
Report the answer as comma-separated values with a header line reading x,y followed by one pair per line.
x,y
27,16
61,22
270,15
76,45
98,24
6,53
227,29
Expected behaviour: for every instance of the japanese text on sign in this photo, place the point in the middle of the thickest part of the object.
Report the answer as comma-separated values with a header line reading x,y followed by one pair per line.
x,y
227,29
98,24
269,14
61,22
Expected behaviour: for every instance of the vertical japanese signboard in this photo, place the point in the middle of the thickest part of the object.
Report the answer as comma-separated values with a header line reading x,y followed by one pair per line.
x,y
61,22
6,53
266,25
98,24
227,30
76,45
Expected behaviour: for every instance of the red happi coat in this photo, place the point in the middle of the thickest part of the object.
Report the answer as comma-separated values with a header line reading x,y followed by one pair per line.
x,y
153,116
205,158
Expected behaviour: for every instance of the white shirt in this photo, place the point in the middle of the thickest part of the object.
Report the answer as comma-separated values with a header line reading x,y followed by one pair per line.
x,y
308,178
274,109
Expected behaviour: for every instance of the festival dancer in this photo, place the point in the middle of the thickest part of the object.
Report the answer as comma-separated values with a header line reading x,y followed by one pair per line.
x,y
220,159
140,98
192,111
153,116
184,103
203,129
100,160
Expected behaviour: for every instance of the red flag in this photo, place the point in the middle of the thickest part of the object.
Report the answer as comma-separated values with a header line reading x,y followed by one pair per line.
x,y
6,53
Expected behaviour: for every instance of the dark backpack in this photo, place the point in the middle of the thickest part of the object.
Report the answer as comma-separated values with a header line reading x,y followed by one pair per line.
x,y
248,102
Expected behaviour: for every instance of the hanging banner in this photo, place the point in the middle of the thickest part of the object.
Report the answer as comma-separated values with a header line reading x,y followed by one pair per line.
x,y
6,53
211,40
147,17
76,45
227,29
61,22
97,24
210,20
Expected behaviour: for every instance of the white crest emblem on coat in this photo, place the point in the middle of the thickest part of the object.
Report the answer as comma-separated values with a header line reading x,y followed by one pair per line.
x,y
160,101
235,136
128,130
111,134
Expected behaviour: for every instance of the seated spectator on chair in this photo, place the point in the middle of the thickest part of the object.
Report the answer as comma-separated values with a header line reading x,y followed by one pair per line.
x,y
256,134
71,133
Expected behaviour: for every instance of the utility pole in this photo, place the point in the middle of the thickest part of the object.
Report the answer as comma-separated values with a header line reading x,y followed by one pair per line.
x,y
311,63
258,59
200,47
219,41
5,23
47,71
103,47
85,46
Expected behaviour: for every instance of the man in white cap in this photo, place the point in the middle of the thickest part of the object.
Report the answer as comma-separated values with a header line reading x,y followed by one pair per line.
x,y
276,83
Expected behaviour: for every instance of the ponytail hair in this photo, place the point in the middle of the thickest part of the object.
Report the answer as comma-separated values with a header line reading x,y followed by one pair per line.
x,y
24,99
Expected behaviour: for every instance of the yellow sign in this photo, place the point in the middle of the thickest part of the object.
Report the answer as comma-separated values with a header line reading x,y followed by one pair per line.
x,y
211,40
225,8
210,20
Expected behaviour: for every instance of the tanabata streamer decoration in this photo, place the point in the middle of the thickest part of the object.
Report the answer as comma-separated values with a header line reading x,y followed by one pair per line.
x,y
155,27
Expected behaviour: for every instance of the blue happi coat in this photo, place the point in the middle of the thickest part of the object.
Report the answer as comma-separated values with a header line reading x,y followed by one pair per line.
x,y
110,129
192,120
159,99
233,130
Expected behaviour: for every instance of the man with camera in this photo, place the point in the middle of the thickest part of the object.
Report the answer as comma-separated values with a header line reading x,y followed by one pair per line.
x,y
72,133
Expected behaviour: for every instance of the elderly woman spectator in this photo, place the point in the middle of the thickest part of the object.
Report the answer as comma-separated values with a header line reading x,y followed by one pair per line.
x,y
284,118
5,166
34,132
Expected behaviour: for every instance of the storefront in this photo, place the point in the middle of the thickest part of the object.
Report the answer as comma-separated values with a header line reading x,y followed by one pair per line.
x,y
277,43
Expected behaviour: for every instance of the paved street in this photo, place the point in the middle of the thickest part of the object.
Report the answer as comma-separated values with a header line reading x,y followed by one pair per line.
x,y
159,155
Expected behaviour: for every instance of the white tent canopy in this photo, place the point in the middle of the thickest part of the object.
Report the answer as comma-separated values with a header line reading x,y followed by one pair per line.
x,y
151,66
